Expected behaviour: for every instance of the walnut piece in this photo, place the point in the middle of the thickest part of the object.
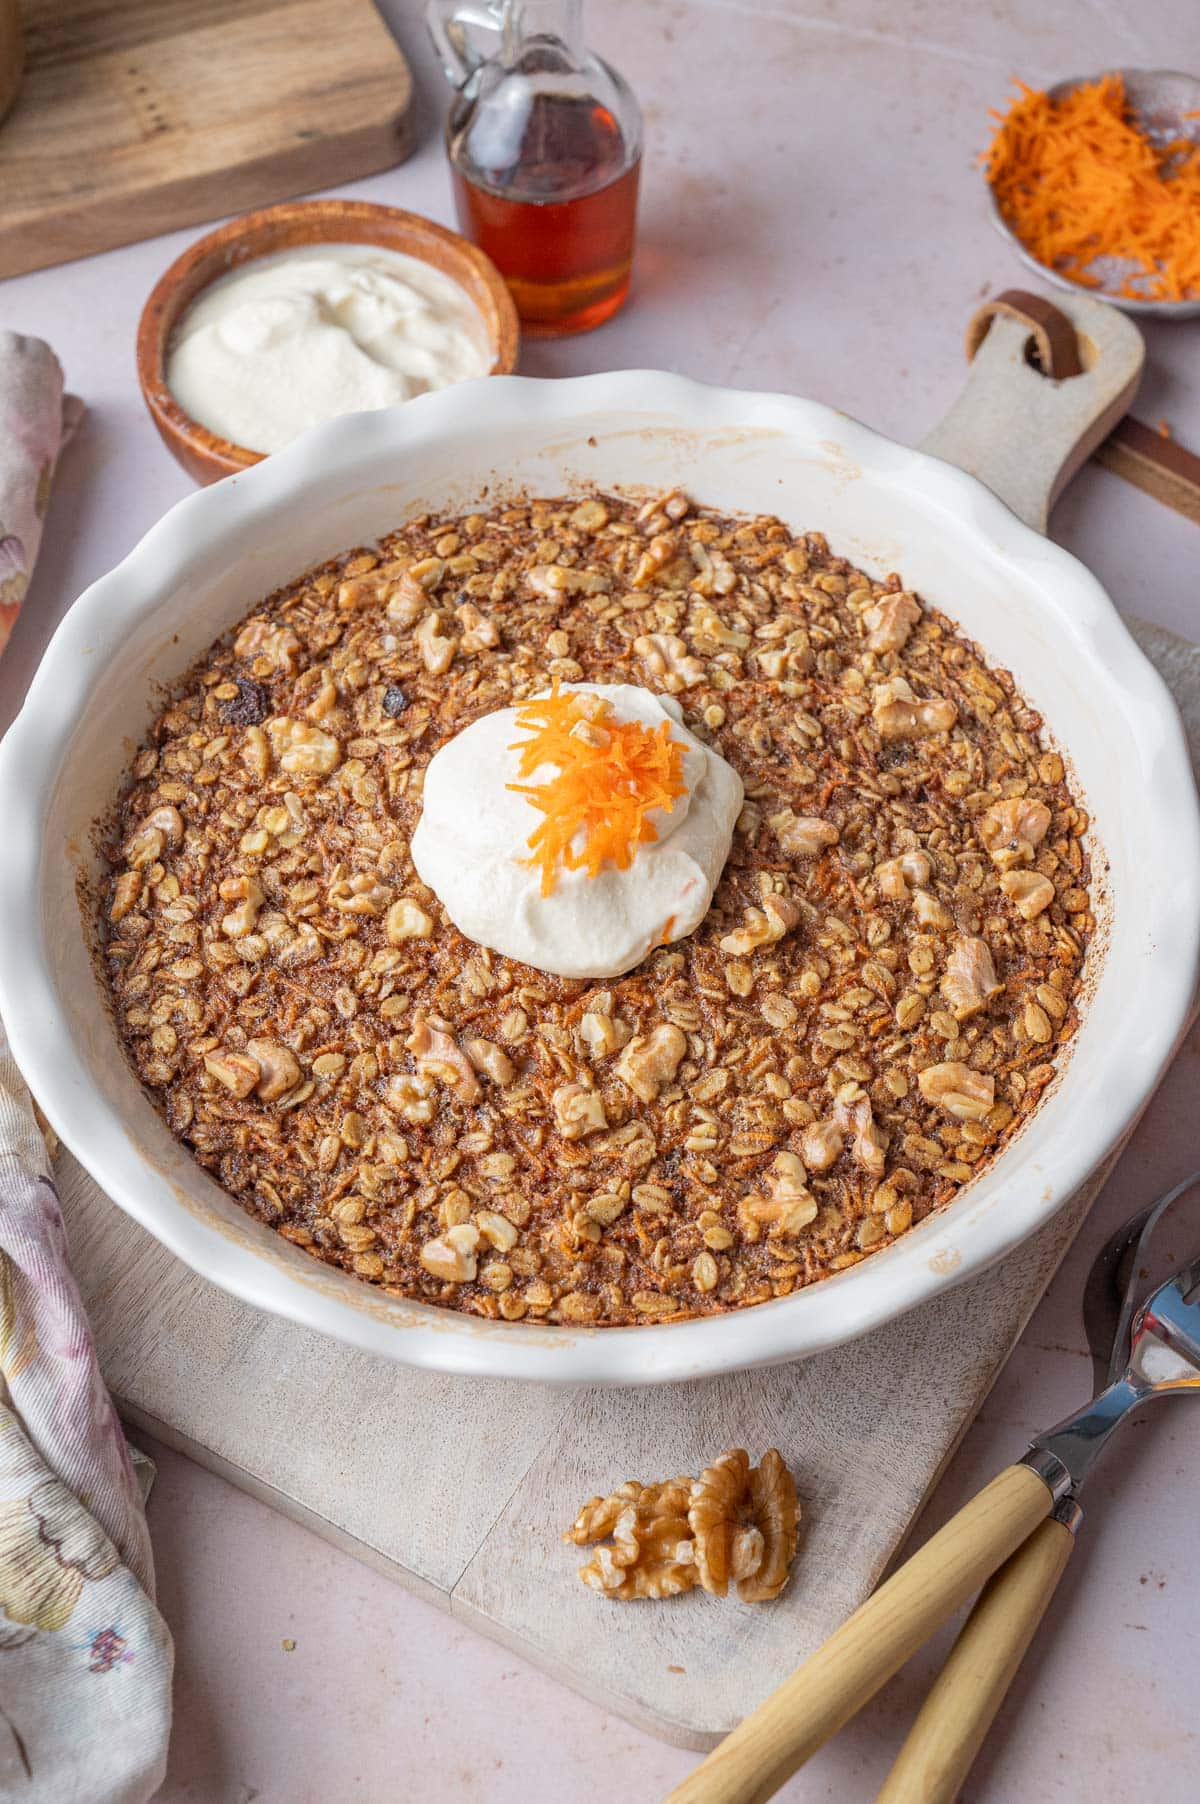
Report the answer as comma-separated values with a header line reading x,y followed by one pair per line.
x,y
777,916
895,876
361,894
478,632
279,1068
646,1548
492,1060
745,1520
930,912
1013,830
603,1034
436,643
126,892
965,1094
556,580
804,835
787,1209
657,555
666,656
1029,892
438,1056
247,895
970,980
407,920
451,1255
234,1070
852,1113
899,714
650,1061
412,1098
277,644
578,1112
145,844
890,621
300,750
821,1145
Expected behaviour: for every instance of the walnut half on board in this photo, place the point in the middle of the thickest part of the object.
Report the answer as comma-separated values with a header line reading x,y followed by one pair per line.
x,y
735,1523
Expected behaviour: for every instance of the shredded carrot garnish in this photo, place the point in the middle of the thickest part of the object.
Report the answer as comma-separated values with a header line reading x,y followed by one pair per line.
x,y
1077,179
611,776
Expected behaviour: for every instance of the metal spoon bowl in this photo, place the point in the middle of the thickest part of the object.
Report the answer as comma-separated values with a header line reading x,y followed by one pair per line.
x,y
1160,100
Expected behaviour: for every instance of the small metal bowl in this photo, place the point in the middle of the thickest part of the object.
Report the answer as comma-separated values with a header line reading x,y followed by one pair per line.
x,y
1160,100
204,454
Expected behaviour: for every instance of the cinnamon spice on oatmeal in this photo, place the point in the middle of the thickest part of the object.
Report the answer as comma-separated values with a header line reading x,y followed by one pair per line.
x,y
873,1005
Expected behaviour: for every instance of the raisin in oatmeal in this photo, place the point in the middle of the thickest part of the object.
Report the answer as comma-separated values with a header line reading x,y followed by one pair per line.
x,y
865,1015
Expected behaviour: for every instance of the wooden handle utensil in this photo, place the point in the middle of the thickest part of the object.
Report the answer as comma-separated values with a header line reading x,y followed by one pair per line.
x,y
812,1705
960,1708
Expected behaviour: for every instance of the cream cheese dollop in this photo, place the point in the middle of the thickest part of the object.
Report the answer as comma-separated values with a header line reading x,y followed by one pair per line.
x,y
471,846
294,339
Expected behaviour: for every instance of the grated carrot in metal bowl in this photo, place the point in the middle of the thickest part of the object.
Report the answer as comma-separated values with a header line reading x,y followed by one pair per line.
x,y
1077,179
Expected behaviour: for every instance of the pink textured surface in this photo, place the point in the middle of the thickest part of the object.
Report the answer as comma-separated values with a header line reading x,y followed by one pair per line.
x,y
812,221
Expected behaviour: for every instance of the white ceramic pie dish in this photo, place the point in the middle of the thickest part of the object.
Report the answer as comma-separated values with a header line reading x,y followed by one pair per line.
x,y
1032,606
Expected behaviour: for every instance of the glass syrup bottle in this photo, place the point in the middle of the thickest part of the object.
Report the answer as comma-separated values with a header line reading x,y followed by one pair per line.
x,y
544,142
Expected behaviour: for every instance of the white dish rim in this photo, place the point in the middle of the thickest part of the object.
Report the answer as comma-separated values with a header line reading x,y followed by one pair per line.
x,y
961,1241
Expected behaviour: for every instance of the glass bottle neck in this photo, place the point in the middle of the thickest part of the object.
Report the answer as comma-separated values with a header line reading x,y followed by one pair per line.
x,y
559,20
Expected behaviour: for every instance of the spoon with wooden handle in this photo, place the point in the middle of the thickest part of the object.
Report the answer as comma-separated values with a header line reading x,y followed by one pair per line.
x,y
945,1738
1009,1521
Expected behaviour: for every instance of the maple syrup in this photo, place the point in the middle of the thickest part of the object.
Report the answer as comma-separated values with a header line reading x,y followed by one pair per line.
x,y
544,142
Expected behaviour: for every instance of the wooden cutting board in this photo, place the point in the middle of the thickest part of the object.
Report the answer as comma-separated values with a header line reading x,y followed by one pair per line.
x,y
139,116
460,1488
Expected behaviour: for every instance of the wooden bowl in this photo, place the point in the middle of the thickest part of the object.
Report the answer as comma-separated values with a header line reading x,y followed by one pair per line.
x,y
204,454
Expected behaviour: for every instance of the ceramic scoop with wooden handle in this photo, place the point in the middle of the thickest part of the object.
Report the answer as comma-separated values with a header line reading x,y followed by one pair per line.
x,y
1018,1534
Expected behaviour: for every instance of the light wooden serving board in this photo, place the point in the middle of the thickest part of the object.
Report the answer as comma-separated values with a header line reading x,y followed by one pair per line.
x,y
139,116
460,1488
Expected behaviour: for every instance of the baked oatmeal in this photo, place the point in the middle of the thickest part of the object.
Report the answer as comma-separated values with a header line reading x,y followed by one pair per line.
x,y
866,1013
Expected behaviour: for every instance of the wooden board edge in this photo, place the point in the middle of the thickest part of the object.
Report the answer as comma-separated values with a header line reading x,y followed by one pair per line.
x,y
679,1735
130,216
691,1733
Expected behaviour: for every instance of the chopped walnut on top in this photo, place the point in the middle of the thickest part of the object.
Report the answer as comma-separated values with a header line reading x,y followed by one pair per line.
x,y
787,1209
438,1056
1029,892
804,835
665,656
821,1145
890,621
966,1094
881,991
1013,830
853,1114
970,982
650,1061
899,714
777,916
578,1111
302,751
895,875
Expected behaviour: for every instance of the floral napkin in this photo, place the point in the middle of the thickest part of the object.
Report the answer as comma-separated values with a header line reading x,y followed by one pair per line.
x,y
85,1658
36,420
